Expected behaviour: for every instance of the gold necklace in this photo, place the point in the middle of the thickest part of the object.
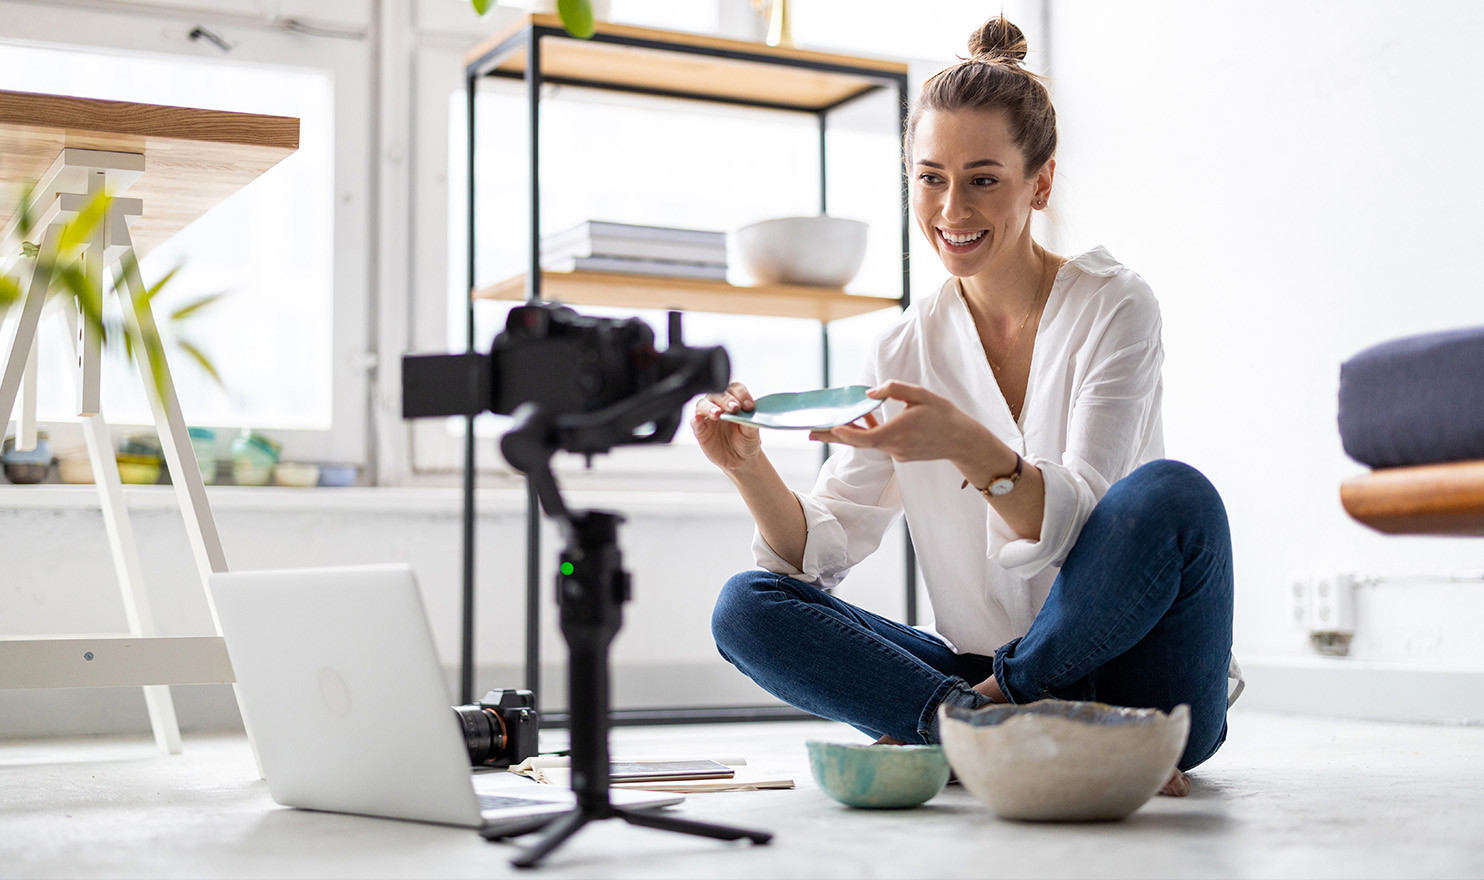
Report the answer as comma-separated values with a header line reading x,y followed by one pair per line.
x,y
1015,343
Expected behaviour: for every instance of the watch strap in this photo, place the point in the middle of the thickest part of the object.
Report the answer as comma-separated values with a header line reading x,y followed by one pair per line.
x,y
1013,478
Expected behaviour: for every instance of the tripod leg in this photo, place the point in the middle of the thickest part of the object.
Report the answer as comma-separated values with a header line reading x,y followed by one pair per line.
x,y
567,826
517,827
651,819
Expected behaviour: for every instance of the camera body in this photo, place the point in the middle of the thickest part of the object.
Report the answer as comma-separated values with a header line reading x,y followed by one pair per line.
x,y
572,366
501,729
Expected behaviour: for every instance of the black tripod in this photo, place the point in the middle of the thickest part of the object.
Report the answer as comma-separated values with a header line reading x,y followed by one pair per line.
x,y
591,589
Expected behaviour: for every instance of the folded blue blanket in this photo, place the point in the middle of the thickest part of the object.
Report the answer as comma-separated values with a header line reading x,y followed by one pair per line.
x,y
1415,400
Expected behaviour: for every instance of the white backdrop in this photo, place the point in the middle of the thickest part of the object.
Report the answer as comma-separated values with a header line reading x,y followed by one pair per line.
x,y
1297,181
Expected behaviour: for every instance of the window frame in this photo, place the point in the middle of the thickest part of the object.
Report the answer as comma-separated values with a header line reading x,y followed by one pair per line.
x,y
339,48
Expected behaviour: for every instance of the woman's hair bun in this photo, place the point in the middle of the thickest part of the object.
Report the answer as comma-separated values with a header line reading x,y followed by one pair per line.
x,y
998,39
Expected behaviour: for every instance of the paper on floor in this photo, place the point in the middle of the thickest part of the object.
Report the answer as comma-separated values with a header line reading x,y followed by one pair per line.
x,y
556,770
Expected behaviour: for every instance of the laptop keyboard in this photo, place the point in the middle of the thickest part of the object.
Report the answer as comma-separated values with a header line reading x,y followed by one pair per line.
x,y
500,802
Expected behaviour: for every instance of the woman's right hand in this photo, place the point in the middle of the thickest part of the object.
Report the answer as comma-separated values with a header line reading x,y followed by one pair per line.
x,y
728,445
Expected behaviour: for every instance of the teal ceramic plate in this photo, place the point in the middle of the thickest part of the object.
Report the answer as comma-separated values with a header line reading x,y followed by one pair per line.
x,y
807,410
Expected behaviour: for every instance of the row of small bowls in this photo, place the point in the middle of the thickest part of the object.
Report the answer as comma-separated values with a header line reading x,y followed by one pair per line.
x,y
145,471
140,460
1051,760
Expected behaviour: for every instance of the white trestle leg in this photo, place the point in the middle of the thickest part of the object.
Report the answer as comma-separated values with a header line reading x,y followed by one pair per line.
x,y
143,657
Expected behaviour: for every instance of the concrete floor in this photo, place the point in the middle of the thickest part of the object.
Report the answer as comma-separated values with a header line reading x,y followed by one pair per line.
x,y
1286,797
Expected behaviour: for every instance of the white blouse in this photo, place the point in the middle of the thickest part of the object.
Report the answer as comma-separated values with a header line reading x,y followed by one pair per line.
x,y
1091,416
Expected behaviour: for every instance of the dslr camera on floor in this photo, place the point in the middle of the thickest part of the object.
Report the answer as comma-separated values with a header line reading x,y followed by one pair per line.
x,y
500,730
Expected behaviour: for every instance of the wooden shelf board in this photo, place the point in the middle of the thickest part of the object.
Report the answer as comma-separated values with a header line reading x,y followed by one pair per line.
x,y
617,290
194,159
701,75
1434,499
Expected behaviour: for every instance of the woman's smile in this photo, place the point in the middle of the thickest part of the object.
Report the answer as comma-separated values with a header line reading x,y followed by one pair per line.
x,y
961,242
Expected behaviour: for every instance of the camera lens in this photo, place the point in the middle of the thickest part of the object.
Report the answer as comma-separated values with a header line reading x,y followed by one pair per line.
x,y
484,735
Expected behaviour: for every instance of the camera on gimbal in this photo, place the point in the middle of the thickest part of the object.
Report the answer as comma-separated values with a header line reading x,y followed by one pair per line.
x,y
501,729
580,384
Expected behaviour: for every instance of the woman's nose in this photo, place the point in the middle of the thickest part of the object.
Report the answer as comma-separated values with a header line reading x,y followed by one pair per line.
x,y
956,204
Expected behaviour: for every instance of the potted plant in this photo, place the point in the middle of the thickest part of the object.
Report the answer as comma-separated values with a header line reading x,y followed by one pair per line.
x,y
69,276
576,15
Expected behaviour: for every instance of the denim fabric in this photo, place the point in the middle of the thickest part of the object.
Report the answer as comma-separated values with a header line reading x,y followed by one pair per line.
x,y
1140,615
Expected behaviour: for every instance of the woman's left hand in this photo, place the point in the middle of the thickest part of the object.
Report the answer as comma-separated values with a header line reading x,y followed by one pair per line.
x,y
929,427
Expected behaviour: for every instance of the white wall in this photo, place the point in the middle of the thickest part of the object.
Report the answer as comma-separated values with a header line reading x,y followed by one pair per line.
x,y
1297,181
679,548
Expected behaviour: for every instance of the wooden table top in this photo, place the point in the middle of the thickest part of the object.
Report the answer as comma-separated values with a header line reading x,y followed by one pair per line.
x,y
194,159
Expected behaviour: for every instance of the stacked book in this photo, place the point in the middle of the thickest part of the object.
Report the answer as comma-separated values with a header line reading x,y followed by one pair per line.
x,y
601,246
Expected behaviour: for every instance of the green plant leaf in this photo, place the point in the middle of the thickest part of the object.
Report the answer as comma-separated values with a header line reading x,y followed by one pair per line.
x,y
149,295
201,360
24,221
30,249
154,349
577,17
80,229
483,6
89,298
10,292
194,306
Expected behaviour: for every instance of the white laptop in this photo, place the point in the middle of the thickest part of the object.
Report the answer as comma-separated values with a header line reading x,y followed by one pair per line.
x,y
347,704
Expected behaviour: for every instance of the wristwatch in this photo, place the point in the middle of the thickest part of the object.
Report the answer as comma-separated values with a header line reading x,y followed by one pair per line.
x,y
1002,485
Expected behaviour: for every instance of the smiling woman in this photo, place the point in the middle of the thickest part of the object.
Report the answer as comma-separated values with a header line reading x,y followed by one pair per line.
x,y
1085,567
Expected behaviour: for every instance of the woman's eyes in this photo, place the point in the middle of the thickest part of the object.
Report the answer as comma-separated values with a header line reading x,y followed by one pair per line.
x,y
934,180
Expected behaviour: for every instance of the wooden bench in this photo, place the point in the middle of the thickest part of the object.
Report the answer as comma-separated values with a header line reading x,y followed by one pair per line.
x,y
1434,499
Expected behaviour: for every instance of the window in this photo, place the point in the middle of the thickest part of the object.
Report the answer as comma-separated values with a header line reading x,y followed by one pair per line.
x,y
284,334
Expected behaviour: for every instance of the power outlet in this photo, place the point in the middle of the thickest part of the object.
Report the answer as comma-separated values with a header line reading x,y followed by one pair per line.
x,y
1323,605
1302,614
1332,604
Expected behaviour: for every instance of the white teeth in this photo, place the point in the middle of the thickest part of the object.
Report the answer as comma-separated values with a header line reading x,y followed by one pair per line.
x,y
955,239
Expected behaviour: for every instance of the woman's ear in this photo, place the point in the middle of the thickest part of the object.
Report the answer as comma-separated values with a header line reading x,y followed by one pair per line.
x,y
1044,179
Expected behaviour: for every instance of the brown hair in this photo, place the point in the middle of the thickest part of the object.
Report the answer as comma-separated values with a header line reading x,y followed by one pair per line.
x,y
991,78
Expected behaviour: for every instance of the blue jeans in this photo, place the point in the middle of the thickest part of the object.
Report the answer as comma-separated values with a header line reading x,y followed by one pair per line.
x,y
1139,615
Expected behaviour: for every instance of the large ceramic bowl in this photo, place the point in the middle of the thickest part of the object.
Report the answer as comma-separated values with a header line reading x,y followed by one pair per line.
x,y
818,251
1059,760
880,777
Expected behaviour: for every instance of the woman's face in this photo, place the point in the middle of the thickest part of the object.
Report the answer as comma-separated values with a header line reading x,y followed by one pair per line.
x,y
970,192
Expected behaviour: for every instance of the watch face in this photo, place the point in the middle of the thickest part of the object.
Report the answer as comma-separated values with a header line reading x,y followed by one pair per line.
x,y
1001,486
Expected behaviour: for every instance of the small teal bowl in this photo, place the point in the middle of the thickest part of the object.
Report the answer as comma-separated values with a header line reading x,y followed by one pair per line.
x,y
878,777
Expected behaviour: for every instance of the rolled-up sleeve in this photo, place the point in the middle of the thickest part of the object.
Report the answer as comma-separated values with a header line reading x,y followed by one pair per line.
x,y
854,501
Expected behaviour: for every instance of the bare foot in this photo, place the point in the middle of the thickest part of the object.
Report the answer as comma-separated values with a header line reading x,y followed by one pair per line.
x,y
889,741
1178,786
991,688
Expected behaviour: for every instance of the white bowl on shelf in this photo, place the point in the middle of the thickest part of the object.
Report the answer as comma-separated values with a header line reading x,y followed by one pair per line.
x,y
817,251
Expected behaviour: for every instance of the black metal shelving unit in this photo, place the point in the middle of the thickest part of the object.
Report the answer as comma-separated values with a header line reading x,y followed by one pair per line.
x,y
851,78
